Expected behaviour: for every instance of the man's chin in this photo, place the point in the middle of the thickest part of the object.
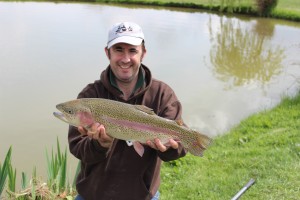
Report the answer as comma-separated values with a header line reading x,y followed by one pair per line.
x,y
126,79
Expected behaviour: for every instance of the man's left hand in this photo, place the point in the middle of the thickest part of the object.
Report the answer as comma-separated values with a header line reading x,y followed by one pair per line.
x,y
158,145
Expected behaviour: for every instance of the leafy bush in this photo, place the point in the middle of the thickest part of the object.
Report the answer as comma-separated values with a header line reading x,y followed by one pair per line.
x,y
265,7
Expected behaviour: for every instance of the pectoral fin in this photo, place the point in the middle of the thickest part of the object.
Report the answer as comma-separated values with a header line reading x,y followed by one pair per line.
x,y
138,147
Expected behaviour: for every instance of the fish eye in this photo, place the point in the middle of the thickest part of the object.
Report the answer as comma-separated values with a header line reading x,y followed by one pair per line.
x,y
70,111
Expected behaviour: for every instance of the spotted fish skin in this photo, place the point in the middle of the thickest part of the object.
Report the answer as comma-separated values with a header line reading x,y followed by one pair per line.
x,y
137,123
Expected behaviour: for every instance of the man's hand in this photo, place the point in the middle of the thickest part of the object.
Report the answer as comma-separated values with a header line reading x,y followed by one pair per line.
x,y
158,145
97,132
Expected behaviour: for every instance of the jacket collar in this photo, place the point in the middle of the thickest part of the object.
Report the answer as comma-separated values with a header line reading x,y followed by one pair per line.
x,y
144,82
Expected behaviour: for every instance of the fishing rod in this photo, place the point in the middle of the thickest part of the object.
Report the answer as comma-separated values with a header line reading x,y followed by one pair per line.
x,y
243,190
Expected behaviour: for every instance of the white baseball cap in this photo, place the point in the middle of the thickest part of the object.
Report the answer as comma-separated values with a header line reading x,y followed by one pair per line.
x,y
125,32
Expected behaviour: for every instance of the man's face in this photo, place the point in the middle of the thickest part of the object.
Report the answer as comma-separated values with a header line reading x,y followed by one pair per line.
x,y
125,61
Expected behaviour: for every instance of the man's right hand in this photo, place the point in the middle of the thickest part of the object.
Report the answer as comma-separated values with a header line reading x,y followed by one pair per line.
x,y
97,132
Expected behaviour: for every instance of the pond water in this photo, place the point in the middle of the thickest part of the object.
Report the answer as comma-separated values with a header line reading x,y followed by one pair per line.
x,y
222,68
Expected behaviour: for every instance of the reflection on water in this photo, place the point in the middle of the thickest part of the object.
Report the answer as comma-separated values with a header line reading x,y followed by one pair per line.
x,y
264,28
241,55
222,68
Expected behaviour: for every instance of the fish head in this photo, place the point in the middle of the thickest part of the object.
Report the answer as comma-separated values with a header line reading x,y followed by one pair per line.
x,y
75,113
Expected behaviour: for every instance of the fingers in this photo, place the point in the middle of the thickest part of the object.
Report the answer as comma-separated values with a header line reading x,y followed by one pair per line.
x,y
103,134
92,130
82,130
158,145
97,132
104,139
173,144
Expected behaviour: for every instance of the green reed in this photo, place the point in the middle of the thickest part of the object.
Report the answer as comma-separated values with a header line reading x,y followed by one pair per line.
x,y
57,167
56,186
4,170
12,174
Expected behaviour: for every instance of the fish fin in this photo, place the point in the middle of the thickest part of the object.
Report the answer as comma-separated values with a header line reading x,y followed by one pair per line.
x,y
145,109
179,122
139,148
88,127
201,143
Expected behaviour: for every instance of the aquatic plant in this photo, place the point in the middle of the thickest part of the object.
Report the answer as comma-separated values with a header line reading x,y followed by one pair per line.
x,y
56,186
4,170
57,167
12,174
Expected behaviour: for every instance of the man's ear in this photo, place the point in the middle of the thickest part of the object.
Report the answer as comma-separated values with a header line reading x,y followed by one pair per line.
x,y
107,52
143,54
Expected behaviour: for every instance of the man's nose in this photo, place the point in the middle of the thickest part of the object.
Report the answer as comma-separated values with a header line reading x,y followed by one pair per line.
x,y
126,57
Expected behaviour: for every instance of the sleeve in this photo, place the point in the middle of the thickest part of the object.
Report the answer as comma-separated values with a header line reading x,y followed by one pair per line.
x,y
171,109
82,147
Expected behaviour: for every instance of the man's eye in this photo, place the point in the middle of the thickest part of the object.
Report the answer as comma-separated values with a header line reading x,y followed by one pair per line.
x,y
118,49
133,51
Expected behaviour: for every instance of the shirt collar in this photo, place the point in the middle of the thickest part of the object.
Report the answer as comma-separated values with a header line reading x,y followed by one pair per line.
x,y
139,83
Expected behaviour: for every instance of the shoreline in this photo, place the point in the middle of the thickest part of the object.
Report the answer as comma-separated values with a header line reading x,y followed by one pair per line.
x,y
247,10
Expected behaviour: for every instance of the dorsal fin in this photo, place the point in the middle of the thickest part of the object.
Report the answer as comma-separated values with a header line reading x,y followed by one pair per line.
x,y
179,122
145,109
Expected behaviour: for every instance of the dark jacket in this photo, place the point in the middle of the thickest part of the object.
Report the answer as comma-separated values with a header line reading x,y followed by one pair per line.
x,y
125,175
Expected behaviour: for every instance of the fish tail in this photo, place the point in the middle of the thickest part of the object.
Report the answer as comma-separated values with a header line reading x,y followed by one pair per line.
x,y
199,144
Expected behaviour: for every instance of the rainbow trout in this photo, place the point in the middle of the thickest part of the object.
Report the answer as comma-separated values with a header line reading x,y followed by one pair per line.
x,y
136,123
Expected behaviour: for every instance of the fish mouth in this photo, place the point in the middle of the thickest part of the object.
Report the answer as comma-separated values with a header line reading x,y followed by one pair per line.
x,y
60,116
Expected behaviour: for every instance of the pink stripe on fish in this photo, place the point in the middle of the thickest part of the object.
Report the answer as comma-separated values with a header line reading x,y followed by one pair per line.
x,y
141,126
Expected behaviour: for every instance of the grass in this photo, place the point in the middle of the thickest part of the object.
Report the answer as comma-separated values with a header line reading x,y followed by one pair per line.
x,y
289,5
286,9
266,147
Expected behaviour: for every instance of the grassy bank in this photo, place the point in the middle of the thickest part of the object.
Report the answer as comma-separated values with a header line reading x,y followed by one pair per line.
x,y
266,147
286,9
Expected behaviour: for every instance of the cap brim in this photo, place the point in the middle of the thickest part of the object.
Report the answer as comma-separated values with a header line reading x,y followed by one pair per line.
x,y
125,39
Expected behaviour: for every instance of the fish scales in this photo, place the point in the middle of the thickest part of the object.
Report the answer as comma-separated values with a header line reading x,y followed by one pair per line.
x,y
133,115
131,122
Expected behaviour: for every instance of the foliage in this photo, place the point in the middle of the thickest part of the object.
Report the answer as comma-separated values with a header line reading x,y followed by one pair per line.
x,y
230,6
4,170
55,188
265,7
286,14
57,167
286,9
24,181
12,175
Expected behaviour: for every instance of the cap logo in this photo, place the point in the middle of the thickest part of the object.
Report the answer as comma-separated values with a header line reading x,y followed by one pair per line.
x,y
123,28
125,32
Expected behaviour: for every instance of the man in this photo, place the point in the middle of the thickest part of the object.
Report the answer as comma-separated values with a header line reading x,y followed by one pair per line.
x,y
110,168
